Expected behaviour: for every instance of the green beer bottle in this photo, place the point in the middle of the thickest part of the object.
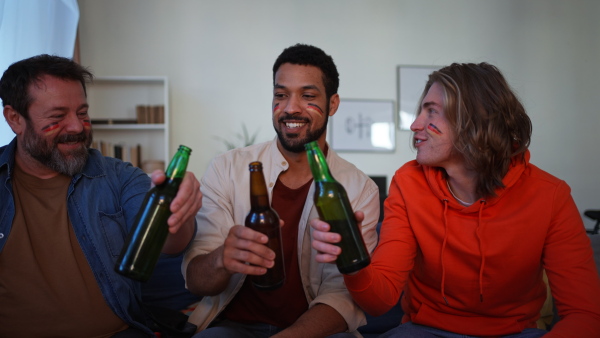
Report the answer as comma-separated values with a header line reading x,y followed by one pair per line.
x,y
149,232
334,208
264,219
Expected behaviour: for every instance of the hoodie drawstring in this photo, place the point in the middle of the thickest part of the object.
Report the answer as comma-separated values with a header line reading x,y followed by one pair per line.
x,y
481,267
481,251
442,253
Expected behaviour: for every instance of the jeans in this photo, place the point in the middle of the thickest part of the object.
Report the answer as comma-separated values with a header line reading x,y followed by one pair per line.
x,y
410,330
231,329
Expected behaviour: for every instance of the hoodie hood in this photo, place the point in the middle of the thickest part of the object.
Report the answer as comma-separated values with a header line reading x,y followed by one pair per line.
x,y
437,183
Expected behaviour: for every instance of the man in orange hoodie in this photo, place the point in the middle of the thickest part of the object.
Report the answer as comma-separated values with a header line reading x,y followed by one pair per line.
x,y
470,225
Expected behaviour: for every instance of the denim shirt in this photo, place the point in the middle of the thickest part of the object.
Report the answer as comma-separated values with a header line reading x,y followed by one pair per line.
x,y
102,204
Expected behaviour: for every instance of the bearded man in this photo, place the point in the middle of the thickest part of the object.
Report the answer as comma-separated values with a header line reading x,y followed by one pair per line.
x,y
313,301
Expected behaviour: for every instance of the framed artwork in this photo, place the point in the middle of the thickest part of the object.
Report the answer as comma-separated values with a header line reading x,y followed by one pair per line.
x,y
363,126
411,82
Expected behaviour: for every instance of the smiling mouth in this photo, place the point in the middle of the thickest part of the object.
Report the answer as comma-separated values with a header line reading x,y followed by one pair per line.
x,y
293,125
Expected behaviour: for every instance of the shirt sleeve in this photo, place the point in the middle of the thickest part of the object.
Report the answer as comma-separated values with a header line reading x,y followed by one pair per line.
x,y
569,263
378,287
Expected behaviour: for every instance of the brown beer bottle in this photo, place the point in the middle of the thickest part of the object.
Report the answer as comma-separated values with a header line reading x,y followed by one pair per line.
x,y
149,233
263,218
334,208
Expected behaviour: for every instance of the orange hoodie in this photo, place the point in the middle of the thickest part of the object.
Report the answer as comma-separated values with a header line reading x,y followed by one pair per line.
x,y
477,270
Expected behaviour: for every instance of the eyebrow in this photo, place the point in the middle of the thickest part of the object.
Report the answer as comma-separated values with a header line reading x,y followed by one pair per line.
x,y
66,109
429,104
278,86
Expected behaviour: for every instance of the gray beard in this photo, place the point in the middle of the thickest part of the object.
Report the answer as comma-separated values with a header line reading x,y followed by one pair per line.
x,y
51,157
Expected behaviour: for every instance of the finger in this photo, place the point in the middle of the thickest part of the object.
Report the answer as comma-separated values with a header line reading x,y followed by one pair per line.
x,y
235,266
360,216
242,254
317,224
325,258
326,248
246,233
187,202
157,177
188,190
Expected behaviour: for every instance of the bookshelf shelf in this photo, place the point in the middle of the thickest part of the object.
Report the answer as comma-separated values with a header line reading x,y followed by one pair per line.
x,y
115,103
141,126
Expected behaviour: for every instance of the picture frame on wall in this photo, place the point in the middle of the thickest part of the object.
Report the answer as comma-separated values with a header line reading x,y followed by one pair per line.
x,y
411,82
363,126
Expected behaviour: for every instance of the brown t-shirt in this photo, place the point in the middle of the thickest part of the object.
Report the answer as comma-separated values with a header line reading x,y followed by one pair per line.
x,y
47,287
283,306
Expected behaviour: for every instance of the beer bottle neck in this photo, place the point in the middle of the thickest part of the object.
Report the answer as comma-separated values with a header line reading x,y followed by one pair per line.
x,y
259,197
318,164
178,165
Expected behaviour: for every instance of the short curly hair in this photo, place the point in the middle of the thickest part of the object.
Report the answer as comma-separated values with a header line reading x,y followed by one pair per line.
x,y
307,55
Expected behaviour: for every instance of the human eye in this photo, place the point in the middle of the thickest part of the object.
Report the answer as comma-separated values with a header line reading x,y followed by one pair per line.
x,y
279,95
82,114
57,116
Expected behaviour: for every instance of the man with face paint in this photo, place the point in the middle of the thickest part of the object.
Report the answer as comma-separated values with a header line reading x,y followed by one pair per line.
x,y
65,211
471,225
313,301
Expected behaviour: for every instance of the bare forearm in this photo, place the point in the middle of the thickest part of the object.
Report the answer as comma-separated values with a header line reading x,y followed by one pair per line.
x,y
319,321
177,242
206,275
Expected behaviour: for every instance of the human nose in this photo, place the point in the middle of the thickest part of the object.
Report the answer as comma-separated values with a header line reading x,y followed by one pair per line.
x,y
292,105
72,124
418,123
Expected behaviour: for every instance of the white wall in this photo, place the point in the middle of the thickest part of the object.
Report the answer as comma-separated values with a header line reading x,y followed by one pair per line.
x,y
218,57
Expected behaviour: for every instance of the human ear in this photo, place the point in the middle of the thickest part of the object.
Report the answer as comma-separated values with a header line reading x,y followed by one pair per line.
x,y
334,103
15,120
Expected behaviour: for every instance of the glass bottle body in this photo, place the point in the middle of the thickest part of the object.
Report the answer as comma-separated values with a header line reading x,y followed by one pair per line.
x,y
147,237
333,206
264,219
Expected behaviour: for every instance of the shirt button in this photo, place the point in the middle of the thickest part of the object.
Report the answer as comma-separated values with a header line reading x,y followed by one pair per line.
x,y
1,235
284,163
270,186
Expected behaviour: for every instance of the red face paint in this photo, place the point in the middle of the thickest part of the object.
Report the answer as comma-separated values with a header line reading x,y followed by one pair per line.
x,y
313,106
50,127
434,129
275,107
87,123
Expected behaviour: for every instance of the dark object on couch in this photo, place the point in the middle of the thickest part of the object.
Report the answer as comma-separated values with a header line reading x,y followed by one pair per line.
x,y
165,299
595,215
381,182
380,324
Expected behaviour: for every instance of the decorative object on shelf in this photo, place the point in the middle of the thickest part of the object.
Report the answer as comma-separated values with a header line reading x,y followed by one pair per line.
x,y
363,125
411,82
242,139
150,114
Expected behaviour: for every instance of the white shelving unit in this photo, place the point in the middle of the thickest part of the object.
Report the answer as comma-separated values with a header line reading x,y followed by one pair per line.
x,y
116,98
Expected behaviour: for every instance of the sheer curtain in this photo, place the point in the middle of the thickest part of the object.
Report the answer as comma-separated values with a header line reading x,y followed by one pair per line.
x,y
32,27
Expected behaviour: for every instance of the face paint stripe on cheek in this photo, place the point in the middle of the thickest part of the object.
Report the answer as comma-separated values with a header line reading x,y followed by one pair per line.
x,y
276,108
434,129
50,127
317,108
87,123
